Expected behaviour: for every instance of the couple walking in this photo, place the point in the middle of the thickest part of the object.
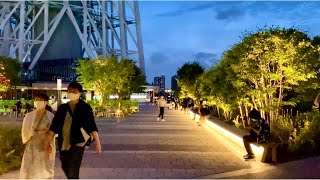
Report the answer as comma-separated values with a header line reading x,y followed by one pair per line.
x,y
73,122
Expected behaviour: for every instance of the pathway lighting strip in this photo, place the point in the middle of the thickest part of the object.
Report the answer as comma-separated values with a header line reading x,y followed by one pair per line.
x,y
258,150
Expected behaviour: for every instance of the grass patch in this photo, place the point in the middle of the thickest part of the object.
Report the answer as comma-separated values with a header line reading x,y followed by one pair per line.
x,y
11,149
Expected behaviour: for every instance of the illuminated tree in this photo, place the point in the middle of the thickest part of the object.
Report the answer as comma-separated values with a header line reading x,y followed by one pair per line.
x,y
9,70
108,76
261,71
4,81
188,79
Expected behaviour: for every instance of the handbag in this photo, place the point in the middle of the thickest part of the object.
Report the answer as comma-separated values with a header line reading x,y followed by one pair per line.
x,y
87,137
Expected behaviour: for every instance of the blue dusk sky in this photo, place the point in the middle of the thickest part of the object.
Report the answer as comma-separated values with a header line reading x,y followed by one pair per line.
x,y
180,31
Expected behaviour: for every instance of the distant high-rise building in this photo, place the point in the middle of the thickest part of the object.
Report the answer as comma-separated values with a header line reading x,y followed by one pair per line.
x,y
161,82
174,83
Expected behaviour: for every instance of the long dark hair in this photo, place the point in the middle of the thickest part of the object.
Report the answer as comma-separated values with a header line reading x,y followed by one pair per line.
x,y
44,97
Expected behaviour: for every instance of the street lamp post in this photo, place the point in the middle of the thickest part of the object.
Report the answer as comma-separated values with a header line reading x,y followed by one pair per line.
x,y
59,84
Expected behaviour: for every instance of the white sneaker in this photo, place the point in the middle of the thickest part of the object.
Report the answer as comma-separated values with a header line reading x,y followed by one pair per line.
x,y
163,120
158,119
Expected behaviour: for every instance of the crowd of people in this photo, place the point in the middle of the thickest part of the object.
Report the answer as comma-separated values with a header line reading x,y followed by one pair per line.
x,y
259,129
185,105
75,128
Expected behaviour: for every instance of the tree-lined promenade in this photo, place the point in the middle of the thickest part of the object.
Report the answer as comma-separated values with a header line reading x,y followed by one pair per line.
x,y
140,147
273,70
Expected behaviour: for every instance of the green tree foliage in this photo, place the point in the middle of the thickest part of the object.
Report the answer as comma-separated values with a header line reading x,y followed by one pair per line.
x,y
11,149
131,80
267,70
9,70
137,80
108,76
188,79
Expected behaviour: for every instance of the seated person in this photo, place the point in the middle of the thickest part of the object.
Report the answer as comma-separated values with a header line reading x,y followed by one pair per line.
x,y
18,107
29,107
259,133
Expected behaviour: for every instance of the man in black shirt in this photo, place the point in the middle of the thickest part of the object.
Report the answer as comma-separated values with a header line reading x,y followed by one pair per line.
x,y
259,133
74,123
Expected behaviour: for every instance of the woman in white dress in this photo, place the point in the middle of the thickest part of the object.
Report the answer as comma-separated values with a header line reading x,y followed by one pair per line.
x,y
36,162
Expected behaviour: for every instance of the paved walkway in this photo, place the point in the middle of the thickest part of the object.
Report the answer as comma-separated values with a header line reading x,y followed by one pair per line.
x,y
140,147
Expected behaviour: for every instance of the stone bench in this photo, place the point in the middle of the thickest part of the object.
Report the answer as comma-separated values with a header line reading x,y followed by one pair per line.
x,y
269,152
263,151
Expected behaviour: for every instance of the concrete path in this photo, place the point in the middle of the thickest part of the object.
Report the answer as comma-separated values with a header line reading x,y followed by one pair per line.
x,y
300,169
140,147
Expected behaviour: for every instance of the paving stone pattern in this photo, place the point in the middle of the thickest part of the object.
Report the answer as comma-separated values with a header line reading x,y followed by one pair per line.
x,y
140,147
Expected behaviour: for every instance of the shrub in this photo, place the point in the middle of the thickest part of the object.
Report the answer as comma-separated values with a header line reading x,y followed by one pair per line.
x,y
281,130
308,136
113,103
237,123
11,149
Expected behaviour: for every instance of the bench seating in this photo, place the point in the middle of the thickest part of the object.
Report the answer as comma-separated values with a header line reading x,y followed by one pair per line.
x,y
269,152
266,151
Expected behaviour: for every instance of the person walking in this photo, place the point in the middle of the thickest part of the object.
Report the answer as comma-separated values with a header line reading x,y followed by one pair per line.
x,y
184,105
176,102
36,163
203,112
161,104
74,123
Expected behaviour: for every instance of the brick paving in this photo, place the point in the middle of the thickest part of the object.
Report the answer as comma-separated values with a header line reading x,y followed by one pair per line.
x,y
139,147
300,169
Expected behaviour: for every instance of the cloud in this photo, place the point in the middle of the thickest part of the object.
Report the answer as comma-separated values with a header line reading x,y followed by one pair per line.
x,y
223,11
158,58
206,59
161,63
165,62
187,36
182,11
230,14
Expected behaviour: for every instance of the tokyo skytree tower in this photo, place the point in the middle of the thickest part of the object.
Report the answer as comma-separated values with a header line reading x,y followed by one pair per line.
x,y
33,31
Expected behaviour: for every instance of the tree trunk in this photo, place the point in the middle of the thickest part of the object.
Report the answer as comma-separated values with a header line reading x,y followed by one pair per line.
x,y
218,111
225,114
280,93
254,103
247,112
102,100
241,114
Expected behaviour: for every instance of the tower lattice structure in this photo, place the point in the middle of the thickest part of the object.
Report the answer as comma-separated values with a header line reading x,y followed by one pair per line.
x,y
43,30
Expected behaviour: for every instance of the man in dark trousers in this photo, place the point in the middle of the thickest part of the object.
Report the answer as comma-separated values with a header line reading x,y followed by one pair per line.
x,y
161,104
259,133
74,123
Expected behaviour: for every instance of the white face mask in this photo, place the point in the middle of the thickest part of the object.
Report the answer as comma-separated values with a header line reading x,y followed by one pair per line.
x,y
73,96
40,104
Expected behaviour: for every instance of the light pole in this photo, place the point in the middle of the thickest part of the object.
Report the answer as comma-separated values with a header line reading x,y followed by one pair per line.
x,y
59,82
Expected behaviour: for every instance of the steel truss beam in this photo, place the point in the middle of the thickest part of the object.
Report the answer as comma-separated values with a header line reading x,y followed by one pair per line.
x,y
103,28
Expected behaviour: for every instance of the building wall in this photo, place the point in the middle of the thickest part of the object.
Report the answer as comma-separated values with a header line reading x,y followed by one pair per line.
x,y
50,71
174,83
64,43
161,82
